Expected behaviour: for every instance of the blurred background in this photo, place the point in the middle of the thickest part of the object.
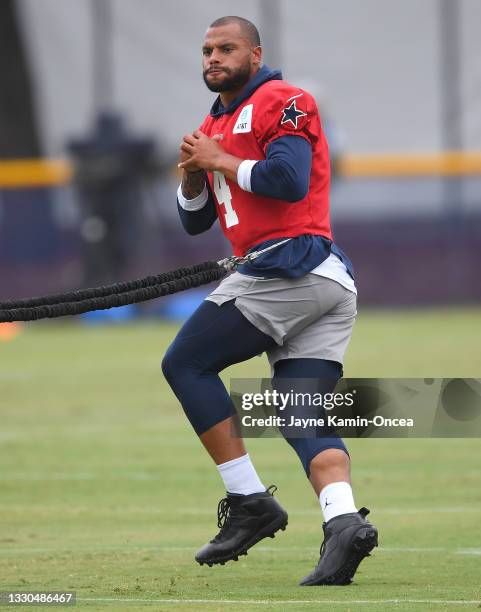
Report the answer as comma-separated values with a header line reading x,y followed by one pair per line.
x,y
104,489
96,95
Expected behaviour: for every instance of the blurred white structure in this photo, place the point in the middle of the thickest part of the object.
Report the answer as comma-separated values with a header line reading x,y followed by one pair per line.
x,y
377,59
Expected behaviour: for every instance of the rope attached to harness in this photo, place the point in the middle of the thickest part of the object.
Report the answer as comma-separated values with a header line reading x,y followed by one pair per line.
x,y
121,294
102,298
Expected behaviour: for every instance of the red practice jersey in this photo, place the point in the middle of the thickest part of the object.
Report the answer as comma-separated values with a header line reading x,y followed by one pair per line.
x,y
274,109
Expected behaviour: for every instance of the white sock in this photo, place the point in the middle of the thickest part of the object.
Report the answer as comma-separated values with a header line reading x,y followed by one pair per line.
x,y
240,476
336,498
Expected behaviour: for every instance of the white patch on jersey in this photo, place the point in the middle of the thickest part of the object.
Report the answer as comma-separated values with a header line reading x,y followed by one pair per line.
x,y
292,98
244,121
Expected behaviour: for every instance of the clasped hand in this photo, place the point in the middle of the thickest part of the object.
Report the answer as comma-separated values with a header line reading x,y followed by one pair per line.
x,y
199,152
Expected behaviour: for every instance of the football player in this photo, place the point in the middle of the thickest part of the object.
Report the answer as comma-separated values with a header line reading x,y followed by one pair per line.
x,y
259,163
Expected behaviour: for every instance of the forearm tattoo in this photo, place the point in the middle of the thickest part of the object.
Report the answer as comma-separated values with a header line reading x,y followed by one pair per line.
x,y
193,184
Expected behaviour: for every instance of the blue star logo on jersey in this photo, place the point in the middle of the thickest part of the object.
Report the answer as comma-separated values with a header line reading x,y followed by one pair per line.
x,y
291,114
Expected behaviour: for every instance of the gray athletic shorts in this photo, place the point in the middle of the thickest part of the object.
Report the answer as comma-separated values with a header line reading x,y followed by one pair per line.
x,y
309,317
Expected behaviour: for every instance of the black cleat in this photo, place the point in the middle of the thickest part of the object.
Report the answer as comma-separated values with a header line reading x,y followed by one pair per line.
x,y
243,520
348,538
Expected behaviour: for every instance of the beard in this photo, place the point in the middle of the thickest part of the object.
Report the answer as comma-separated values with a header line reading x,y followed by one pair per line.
x,y
234,79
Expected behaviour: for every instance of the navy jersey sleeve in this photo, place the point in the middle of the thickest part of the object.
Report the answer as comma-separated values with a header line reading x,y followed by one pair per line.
x,y
285,173
198,221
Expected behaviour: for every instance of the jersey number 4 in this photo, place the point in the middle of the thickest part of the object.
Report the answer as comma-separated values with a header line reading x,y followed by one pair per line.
x,y
224,196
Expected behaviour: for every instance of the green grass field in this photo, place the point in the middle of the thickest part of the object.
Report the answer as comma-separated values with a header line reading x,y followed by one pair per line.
x,y
105,490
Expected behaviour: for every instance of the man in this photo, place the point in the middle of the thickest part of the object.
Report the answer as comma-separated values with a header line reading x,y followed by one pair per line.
x,y
259,163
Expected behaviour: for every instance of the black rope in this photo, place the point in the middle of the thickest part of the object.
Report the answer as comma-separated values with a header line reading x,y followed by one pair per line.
x,y
106,290
209,272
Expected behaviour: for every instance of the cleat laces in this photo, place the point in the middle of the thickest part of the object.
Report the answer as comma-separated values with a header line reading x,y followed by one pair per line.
x,y
223,512
224,518
225,515
323,545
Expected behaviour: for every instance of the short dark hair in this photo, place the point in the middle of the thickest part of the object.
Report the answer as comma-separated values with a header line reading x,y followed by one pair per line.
x,y
247,27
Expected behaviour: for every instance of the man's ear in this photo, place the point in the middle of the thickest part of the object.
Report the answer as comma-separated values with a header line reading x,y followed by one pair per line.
x,y
257,56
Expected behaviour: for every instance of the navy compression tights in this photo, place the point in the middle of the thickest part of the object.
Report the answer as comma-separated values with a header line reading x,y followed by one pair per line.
x,y
216,337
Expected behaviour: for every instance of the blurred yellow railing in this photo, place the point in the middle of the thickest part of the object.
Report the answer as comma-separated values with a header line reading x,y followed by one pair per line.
x,y
24,173
452,163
